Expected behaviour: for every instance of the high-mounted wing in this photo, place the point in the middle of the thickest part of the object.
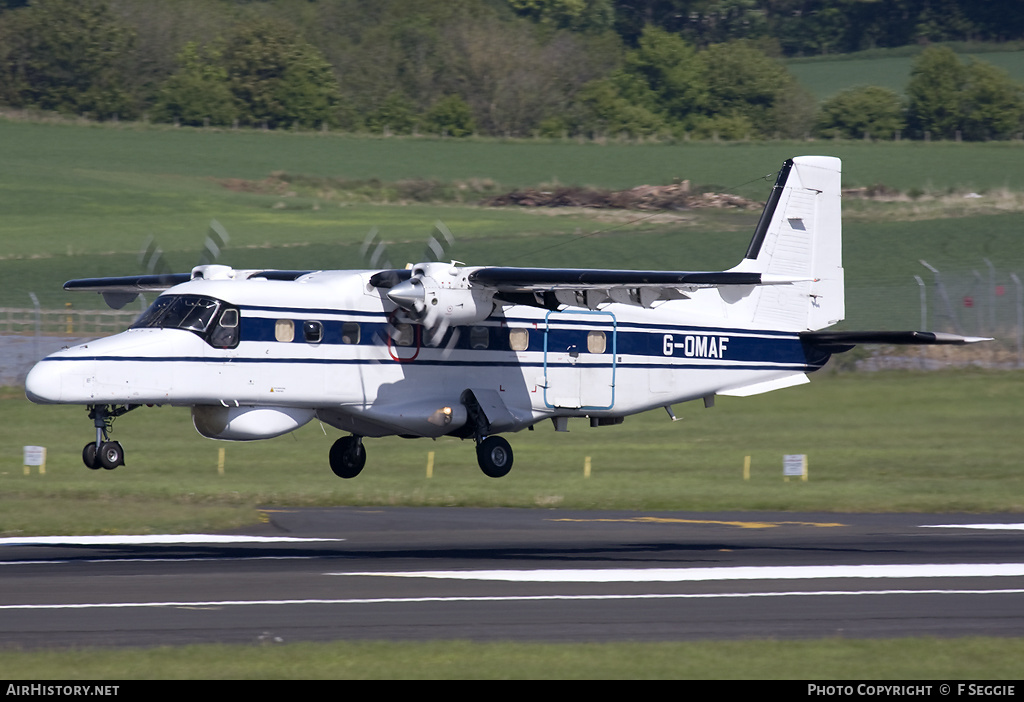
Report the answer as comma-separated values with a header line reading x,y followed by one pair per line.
x,y
581,287
120,291
552,288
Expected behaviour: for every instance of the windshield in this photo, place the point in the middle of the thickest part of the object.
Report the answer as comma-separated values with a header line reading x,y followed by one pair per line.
x,y
191,312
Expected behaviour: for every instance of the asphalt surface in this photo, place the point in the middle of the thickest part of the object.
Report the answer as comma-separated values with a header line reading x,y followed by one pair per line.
x,y
524,575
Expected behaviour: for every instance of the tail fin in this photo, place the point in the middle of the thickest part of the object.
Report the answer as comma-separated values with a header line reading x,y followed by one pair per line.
x,y
799,235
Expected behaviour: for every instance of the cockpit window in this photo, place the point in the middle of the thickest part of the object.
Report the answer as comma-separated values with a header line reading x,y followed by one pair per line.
x,y
193,313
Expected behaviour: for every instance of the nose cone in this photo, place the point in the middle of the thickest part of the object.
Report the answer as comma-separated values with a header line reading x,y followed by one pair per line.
x,y
408,295
43,384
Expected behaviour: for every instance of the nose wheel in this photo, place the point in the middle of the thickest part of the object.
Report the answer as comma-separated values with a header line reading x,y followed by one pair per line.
x,y
104,453
109,456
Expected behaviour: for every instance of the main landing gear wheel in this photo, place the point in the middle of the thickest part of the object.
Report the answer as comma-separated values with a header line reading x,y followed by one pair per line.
x,y
494,455
110,455
348,456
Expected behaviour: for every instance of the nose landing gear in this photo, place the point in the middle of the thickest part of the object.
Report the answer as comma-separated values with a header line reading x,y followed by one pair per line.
x,y
104,453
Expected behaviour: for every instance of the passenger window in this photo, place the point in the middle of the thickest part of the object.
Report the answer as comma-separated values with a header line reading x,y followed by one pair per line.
x,y
350,333
479,338
596,342
284,330
313,332
519,339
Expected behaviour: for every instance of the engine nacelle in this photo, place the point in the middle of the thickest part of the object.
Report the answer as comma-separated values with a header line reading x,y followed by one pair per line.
x,y
441,293
247,423
457,306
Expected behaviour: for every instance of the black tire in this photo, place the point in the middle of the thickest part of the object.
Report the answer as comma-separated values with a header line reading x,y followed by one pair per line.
x,y
111,455
89,456
347,457
494,455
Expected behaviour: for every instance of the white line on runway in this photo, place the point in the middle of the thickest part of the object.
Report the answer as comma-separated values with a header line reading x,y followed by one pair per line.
x,y
511,598
676,575
150,539
995,527
211,559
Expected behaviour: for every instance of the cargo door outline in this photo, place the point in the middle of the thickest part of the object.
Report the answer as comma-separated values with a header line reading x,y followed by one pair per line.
x,y
575,378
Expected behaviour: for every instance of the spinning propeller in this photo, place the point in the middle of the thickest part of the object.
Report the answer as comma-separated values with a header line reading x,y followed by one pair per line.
x,y
151,257
432,295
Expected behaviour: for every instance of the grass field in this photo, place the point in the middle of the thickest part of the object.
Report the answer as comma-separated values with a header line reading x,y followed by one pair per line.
x,y
904,659
875,442
79,201
826,76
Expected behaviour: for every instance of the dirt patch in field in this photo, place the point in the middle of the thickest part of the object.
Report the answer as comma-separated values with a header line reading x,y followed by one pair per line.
x,y
643,197
667,198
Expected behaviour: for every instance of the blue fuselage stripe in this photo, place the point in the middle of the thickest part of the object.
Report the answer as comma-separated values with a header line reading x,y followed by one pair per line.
x,y
676,342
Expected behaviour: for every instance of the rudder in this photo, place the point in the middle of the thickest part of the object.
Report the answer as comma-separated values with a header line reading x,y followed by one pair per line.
x,y
799,235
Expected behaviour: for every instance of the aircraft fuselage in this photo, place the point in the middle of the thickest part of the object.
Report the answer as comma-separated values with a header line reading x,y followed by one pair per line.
x,y
350,360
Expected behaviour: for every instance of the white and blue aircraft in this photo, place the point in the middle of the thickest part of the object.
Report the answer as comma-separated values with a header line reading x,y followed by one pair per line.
x,y
442,349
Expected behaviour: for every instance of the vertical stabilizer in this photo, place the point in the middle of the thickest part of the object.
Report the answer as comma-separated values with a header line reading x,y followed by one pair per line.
x,y
799,235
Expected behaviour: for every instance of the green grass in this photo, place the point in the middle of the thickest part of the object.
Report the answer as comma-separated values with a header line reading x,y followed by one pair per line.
x,y
924,659
875,443
825,76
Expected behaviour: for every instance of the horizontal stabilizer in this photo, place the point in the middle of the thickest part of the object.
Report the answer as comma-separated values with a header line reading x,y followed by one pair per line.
x,y
839,341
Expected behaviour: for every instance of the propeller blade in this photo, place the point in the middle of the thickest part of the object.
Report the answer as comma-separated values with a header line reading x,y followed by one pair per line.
x,y
151,258
374,251
216,238
439,244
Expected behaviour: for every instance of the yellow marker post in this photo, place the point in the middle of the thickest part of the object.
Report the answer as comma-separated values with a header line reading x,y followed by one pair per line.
x,y
746,467
220,461
586,467
430,464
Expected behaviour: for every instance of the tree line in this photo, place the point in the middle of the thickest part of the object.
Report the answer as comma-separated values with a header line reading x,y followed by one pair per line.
x,y
591,68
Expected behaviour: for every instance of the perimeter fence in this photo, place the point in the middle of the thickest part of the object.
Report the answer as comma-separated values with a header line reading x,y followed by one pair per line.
x,y
980,301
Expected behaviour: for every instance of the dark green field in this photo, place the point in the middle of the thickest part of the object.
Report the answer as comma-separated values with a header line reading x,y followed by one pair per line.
x,y
826,76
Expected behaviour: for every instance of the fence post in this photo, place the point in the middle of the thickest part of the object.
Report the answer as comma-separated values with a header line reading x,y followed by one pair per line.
x,y
1020,320
924,317
941,289
991,297
35,337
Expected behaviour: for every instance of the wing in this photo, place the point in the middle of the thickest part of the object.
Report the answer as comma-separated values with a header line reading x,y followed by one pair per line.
x,y
119,291
582,287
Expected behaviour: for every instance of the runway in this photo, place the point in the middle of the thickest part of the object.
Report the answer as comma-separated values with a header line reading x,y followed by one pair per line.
x,y
521,575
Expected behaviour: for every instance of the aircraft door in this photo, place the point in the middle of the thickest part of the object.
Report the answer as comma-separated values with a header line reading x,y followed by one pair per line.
x,y
226,375
579,360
